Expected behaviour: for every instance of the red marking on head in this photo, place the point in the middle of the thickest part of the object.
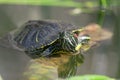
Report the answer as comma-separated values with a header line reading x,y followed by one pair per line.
x,y
75,35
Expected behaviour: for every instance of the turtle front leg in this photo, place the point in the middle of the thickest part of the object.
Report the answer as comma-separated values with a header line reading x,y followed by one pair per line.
x,y
46,52
43,52
50,50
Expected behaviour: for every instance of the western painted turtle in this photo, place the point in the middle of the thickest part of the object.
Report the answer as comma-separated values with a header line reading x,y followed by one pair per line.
x,y
45,38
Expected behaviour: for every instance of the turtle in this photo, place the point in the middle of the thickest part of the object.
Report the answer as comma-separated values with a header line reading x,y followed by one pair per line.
x,y
44,38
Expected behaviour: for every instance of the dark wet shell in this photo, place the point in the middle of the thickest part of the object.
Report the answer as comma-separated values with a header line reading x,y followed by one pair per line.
x,y
37,34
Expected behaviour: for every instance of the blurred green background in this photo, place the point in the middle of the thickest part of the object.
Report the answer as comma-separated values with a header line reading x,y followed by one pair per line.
x,y
102,60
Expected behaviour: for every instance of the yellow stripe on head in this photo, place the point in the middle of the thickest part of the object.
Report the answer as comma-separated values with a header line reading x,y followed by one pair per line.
x,y
79,30
78,47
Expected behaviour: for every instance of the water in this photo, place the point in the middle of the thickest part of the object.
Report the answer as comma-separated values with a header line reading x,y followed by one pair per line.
x,y
16,65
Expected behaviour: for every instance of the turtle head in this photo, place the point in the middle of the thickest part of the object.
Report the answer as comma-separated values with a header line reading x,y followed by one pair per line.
x,y
83,42
74,42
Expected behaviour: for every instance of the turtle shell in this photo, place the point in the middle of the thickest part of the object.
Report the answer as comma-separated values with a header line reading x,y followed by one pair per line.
x,y
37,34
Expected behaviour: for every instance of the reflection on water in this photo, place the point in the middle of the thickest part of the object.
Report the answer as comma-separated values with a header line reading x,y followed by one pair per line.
x,y
69,68
38,71
52,68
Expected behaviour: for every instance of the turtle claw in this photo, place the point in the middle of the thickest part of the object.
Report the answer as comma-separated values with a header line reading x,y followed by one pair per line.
x,y
45,53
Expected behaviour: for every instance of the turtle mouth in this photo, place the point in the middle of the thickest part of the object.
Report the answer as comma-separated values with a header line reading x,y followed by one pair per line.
x,y
83,43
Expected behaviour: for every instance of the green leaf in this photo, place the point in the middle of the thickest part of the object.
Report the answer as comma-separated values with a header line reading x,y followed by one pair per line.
x,y
90,77
65,3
